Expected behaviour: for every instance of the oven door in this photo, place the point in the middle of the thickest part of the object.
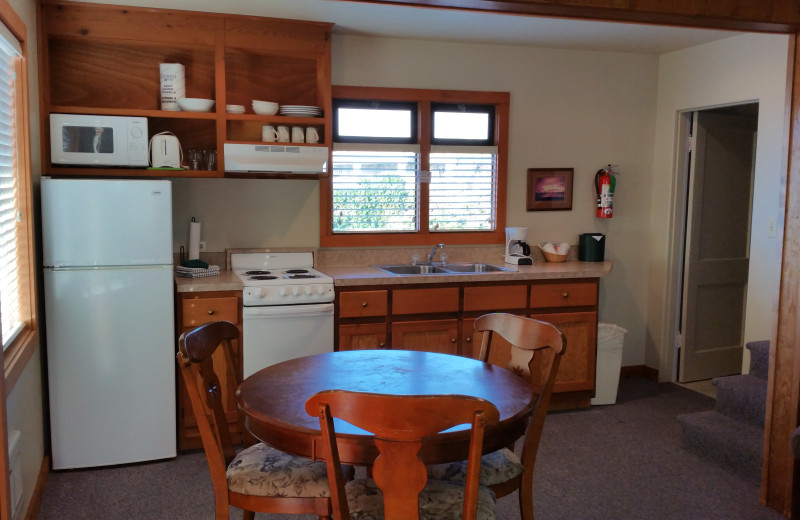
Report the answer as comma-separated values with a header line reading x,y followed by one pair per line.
x,y
277,333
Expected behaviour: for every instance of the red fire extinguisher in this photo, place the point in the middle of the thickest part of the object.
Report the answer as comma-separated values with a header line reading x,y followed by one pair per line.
x,y
604,184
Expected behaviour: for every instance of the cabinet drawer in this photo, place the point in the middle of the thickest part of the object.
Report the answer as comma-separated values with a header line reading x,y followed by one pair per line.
x,y
494,298
424,301
573,294
197,311
358,304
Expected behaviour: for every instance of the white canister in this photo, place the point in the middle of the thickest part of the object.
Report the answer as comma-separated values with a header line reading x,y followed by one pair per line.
x,y
173,85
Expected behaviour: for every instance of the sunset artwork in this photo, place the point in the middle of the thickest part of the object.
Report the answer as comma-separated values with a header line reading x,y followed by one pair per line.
x,y
549,189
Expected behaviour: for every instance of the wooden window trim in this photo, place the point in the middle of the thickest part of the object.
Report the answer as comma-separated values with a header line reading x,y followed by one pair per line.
x,y
425,97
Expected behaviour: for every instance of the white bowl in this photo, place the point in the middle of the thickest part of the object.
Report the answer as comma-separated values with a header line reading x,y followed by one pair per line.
x,y
195,104
265,110
265,103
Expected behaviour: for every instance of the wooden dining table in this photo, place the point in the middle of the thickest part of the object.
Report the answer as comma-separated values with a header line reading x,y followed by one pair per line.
x,y
273,400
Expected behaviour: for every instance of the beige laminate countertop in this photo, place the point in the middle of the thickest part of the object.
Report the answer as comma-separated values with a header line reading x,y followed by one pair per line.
x,y
354,275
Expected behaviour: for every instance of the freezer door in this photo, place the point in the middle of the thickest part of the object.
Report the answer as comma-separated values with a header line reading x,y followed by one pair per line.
x,y
106,222
111,365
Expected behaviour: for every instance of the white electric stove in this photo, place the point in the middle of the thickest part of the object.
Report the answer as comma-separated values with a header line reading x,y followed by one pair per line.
x,y
287,308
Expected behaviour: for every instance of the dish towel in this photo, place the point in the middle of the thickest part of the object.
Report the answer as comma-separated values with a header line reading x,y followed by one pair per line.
x,y
197,272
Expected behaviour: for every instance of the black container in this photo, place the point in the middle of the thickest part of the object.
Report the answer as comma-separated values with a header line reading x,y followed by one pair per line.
x,y
591,247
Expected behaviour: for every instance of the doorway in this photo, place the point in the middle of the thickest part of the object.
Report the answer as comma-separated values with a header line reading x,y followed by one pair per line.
x,y
719,163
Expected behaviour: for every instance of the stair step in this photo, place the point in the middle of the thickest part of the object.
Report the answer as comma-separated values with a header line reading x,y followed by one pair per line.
x,y
736,445
759,358
742,397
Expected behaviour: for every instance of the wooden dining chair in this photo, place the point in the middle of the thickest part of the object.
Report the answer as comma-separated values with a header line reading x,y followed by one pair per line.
x,y
398,488
259,478
532,349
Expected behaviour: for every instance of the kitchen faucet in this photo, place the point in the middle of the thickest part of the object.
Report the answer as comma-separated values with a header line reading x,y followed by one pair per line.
x,y
433,253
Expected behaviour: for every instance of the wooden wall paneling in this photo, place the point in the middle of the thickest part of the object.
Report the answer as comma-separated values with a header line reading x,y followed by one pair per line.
x,y
783,389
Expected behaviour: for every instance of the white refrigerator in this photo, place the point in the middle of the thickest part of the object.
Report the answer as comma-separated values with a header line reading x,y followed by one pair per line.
x,y
107,259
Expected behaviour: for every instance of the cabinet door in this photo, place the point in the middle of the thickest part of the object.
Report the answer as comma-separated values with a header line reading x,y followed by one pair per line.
x,y
577,369
362,336
564,294
195,311
428,336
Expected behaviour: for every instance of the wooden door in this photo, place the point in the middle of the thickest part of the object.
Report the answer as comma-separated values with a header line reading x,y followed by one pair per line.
x,y
362,336
577,369
428,336
717,246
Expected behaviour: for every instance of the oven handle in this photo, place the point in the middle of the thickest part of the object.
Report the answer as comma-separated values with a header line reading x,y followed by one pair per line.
x,y
288,311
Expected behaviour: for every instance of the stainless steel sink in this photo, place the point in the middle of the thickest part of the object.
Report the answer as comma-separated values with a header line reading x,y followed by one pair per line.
x,y
474,268
412,269
427,269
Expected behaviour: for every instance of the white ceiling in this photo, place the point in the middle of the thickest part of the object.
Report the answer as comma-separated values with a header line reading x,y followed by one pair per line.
x,y
461,26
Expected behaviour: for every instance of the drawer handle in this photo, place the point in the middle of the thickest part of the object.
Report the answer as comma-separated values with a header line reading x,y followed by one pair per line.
x,y
364,304
381,344
565,294
452,340
469,340
210,312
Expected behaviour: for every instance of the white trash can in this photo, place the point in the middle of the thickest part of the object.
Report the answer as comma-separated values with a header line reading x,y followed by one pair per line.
x,y
610,339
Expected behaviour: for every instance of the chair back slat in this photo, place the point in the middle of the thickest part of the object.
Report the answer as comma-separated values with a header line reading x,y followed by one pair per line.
x,y
196,349
400,423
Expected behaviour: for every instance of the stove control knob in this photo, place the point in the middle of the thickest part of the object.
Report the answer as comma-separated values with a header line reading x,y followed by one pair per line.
x,y
282,292
295,291
263,292
308,290
320,290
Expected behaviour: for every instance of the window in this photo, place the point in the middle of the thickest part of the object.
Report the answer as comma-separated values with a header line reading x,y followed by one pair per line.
x,y
17,294
415,167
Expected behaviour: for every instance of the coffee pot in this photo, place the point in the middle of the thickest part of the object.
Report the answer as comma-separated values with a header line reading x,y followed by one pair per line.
x,y
518,251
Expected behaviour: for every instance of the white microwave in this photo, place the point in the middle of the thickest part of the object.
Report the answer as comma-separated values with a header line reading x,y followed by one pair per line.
x,y
90,140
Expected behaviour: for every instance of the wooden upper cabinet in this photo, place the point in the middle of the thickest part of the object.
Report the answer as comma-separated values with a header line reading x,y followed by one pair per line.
x,y
105,60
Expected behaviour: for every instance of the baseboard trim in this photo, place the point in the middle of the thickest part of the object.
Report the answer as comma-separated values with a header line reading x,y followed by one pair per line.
x,y
639,371
36,499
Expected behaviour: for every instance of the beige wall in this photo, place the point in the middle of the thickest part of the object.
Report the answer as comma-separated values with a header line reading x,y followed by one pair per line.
x,y
24,403
572,109
745,68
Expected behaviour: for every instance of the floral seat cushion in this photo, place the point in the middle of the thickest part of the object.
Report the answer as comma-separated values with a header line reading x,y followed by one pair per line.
x,y
438,501
262,470
496,467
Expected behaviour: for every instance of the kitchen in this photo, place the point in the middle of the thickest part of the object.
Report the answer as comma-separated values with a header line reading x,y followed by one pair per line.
x,y
573,108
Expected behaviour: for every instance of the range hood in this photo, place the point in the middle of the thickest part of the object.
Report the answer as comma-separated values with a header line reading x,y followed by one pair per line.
x,y
275,158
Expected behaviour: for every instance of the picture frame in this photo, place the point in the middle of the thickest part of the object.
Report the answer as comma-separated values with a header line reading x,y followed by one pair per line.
x,y
549,189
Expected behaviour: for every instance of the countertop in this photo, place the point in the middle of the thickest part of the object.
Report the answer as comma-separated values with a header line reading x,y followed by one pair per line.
x,y
354,275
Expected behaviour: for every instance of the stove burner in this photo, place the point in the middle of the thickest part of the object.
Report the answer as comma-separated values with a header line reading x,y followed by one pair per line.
x,y
296,271
264,277
298,276
257,272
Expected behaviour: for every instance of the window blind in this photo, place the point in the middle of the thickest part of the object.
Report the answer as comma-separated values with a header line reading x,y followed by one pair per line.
x,y
375,188
462,188
10,215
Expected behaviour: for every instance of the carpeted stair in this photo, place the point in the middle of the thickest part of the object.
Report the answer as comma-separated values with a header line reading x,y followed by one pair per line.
x,y
732,434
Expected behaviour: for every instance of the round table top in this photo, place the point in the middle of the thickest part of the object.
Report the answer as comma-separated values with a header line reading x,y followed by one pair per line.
x,y
273,399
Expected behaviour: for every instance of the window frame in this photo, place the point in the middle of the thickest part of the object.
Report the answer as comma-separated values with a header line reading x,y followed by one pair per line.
x,y
15,358
424,98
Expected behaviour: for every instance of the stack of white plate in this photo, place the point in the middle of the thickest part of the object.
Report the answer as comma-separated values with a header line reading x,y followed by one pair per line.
x,y
265,108
300,111
234,109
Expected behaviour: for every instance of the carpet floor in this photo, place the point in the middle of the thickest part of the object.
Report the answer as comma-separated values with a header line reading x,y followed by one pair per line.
x,y
622,461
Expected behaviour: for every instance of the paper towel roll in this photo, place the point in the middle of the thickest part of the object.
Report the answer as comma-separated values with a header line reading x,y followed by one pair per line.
x,y
194,240
173,85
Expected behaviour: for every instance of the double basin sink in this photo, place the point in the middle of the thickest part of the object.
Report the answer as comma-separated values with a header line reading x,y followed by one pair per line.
x,y
432,269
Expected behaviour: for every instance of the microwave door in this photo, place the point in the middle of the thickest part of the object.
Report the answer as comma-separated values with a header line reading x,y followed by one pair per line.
x,y
87,139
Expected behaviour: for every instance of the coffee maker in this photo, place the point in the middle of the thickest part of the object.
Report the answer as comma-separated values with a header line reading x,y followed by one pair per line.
x,y
518,252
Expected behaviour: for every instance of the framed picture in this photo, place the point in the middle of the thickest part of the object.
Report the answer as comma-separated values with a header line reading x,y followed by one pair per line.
x,y
549,189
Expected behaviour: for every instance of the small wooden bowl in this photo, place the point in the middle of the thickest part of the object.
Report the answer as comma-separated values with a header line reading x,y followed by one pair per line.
x,y
555,258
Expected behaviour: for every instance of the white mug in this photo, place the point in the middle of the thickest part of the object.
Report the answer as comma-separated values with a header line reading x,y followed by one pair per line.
x,y
312,136
283,134
268,134
298,134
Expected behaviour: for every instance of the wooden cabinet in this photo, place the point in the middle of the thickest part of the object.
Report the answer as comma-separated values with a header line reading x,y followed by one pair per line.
x,y
193,310
104,60
441,318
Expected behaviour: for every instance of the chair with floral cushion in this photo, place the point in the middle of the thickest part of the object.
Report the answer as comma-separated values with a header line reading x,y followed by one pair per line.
x,y
532,349
398,489
259,478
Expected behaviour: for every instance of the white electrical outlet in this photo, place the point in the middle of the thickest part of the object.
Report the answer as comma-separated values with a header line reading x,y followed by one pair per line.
x,y
772,228
202,245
